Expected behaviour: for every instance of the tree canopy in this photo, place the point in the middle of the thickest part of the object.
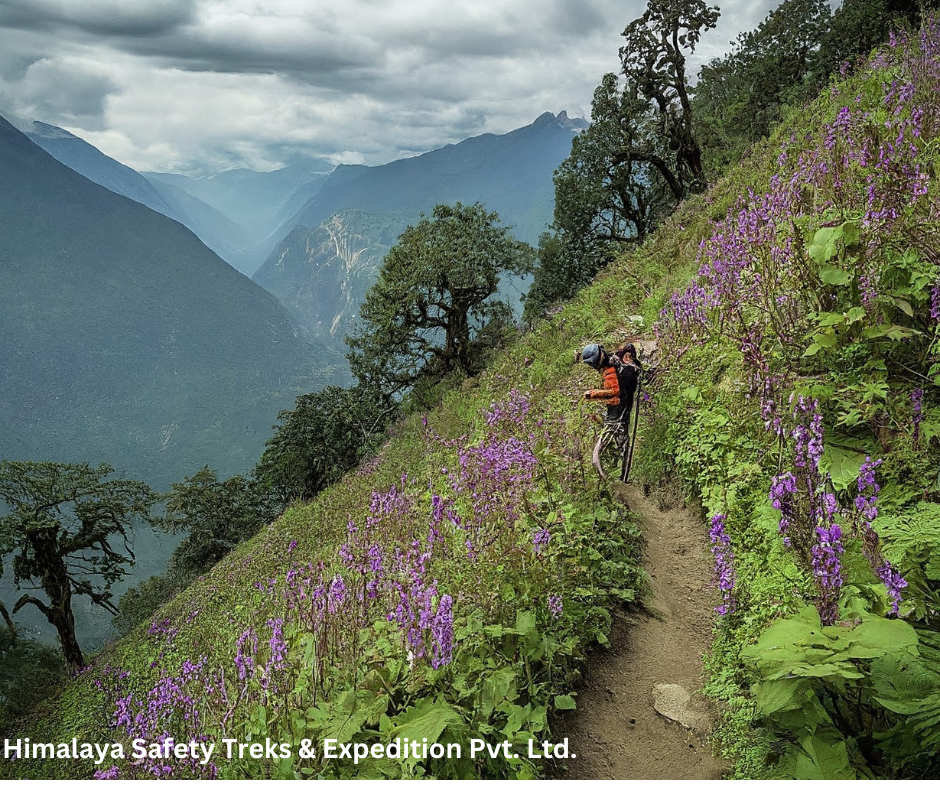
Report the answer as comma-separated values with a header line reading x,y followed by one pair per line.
x,y
215,516
638,159
433,306
62,523
325,435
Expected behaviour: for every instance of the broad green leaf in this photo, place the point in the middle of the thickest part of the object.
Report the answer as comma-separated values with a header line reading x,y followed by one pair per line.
x,y
834,276
426,720
780,695
855,314
842,465
830,319
525,622
565,702
850,234
812,350
823,246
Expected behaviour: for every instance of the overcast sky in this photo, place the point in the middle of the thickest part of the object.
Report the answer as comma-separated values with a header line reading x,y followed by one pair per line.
x,y
204,85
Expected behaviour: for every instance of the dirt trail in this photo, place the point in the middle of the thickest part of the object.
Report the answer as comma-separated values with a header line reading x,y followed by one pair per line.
x,y
616,731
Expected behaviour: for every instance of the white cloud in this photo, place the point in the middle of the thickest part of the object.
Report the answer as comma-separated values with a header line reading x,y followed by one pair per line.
x,y
184,84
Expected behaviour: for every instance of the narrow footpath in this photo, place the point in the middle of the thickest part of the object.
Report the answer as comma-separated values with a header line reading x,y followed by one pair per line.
x,y
640,714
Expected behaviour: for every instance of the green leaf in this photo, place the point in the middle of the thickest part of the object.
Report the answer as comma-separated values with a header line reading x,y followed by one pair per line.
x,y
834,276
525,622
892,331
842,465
823,246
812,350
565,702
855,314
780,695
850,234
428,720
905,307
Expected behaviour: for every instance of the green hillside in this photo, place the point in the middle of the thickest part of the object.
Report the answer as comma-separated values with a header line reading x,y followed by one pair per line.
x,y
452,588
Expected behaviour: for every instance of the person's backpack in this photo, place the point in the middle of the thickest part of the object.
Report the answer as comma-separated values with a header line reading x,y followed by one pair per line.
x,y
628,376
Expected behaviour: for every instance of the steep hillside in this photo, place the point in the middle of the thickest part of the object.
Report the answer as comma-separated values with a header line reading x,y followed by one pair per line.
x,y
213,228
87,160
322,275
451,588
125,339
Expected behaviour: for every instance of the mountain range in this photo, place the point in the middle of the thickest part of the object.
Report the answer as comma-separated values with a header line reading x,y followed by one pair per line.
x,y
315,236
127,340
331,250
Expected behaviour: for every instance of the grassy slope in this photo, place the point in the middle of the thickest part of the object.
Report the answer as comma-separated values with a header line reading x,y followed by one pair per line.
x,y
686,443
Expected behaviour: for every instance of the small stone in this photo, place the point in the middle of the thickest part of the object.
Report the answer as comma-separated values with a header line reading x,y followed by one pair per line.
x,y
674,702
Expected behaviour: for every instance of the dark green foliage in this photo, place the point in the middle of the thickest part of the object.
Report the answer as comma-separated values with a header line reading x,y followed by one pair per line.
x,y
62,522
325,435
554,276
215,516
428,313
639,158
741,96
29,673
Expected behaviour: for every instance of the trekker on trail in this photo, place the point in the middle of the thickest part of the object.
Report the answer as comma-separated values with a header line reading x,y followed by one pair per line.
x,y
621,372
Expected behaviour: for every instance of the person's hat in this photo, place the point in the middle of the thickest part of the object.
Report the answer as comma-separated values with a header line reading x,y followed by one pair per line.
x,y
592,355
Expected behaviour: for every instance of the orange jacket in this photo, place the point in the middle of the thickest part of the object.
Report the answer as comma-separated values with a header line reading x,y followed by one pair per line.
x,y
610,394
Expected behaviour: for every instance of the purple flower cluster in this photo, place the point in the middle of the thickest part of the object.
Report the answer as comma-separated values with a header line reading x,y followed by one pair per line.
x,y
758,280
176,702
782,498
724,564
865,506
827,570
917,400
513,410
540,540
442,633
555,606
807,434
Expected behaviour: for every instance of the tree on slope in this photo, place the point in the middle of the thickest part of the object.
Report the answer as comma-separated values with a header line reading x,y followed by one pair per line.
x,y
433,309
653,63
61,524
324,436
638,159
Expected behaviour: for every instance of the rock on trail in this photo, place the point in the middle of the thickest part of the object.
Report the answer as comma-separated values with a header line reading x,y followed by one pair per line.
x,y
640,714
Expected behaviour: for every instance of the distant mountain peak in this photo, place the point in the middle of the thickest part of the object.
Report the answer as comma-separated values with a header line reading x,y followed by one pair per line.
x,y
39,129
561,119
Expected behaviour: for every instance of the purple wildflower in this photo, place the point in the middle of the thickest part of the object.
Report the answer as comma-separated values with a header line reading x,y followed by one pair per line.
x,y
555,607
782,493
442,632
337,594
724,564
827,569
894,583
540,539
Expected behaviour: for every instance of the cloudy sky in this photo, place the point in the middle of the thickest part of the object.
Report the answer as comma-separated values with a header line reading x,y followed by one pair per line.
x,y
203,85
